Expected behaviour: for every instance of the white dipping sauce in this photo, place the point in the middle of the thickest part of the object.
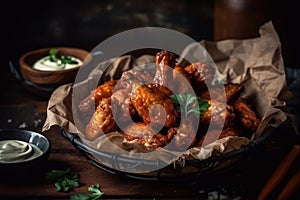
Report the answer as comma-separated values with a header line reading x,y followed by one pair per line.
x,y
46,65
14,151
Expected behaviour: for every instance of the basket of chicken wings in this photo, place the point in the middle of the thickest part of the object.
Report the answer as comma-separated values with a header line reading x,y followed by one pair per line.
x,y
170,118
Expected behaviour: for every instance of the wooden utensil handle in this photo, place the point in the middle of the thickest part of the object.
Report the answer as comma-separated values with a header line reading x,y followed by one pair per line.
x,y
290,188
279,172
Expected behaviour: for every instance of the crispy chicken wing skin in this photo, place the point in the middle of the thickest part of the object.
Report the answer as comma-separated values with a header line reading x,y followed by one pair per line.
x,y
122,107
183,136
164,61
200,73
102,120
175,81
168,74
180,71
145,135
159,88
245,114
180,80
231,90
132,78
165,58
218,113
103,91
155,106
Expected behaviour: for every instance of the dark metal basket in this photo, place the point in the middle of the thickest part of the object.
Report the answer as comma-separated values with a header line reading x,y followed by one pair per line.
x,y
197,168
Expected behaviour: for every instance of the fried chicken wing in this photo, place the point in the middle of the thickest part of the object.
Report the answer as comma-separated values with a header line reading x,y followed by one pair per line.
x,y
164,61
183,136
245,114
180,80
102,120
122,107
176,81
165,58
180,71
145,135
159,88
219,114
231,90
133,78
103,91
154,107
200,73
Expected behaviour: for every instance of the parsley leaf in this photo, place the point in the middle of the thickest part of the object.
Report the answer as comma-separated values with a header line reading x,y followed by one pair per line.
x,y
189,103
220,82
95,194
64,179
60,60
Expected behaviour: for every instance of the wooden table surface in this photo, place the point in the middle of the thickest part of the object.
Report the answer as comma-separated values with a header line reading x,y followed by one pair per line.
x,y
21,109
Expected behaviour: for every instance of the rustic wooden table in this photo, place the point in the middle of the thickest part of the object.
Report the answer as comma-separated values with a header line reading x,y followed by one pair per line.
x,y
21,109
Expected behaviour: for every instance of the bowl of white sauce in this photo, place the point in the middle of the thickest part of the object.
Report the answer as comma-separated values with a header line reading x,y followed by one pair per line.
x,y
52,66
22,151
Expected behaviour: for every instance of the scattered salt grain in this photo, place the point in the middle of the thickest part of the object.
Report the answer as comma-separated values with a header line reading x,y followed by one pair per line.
x,y
23,125
216,195
36,122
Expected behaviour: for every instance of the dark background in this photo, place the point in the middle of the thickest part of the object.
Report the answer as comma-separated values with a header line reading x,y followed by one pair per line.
x,y
28,25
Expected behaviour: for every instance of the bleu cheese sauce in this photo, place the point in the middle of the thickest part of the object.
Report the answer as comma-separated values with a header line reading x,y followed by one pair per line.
x,y
46,65
13,151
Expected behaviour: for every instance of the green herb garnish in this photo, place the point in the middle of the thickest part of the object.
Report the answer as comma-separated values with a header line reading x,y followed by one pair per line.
x,y
60,60
63,180
189,103
220,82
95,194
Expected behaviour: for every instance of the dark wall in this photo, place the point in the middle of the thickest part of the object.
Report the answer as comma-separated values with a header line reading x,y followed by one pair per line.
x,y
86,23
242,19
31,24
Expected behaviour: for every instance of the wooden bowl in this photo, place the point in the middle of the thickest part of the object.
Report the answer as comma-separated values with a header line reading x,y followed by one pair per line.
x,y
50,78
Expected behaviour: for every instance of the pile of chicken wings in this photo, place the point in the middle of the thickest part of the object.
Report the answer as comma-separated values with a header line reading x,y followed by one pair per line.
x,y
140,107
